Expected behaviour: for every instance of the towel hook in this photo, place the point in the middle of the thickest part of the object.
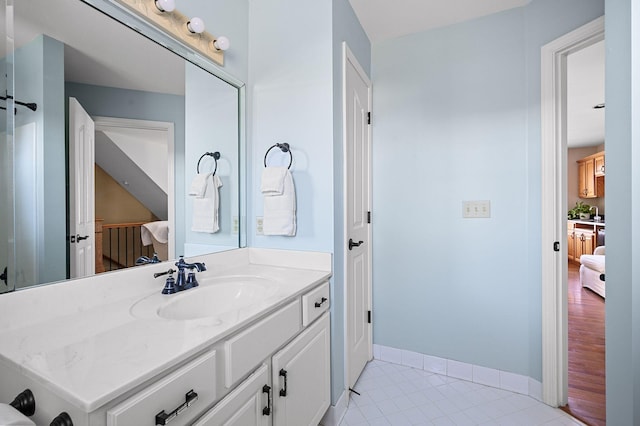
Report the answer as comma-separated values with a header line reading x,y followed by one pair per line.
x,y
284,147
216,157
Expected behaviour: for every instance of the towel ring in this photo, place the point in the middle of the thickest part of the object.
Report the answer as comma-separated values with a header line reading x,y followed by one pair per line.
x,y
216,157
284,147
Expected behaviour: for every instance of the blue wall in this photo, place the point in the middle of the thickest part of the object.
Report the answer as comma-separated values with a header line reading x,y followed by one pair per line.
x,y
457,118
135,104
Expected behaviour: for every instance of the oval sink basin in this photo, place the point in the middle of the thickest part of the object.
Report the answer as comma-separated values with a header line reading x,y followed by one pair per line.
x,y
213,298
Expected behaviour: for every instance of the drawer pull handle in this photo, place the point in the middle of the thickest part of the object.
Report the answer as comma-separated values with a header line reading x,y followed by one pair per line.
x,y
321,302
283,373
267,410
163,418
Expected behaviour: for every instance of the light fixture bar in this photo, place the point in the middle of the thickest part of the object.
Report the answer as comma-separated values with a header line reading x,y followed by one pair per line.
x,y
175,24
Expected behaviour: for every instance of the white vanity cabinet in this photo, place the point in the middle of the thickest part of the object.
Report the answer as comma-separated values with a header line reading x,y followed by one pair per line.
x,y
297,391
301,376
247,405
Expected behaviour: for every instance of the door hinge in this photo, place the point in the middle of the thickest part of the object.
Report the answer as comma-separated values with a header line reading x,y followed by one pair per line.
x,y
368,118
556,246
369,317
368,217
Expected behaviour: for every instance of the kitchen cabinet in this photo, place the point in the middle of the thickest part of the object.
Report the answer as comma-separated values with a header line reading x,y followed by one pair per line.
x,y
581,239
571,244
599,165
591,176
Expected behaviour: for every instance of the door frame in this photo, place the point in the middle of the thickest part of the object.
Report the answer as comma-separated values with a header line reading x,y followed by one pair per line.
x,y
348,56
111,123
554,206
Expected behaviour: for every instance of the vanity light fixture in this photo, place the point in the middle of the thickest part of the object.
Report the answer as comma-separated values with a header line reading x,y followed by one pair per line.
x,y
195,25
189,31
165,5
221,43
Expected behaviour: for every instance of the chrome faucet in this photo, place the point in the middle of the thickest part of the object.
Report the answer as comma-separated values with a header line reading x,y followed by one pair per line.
x,y
597,217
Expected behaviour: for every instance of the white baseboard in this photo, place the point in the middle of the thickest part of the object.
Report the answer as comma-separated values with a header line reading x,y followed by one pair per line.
x,y
335,413
472,373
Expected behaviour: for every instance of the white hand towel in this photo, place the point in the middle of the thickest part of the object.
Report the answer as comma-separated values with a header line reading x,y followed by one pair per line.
x,y
279,216
205,209
199,185
273,180
159,230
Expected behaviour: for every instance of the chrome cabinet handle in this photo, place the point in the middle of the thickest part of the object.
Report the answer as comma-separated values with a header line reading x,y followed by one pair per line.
x,y
353,244
163,418
321,302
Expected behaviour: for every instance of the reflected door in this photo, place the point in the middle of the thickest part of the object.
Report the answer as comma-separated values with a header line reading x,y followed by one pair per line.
x,y
81,191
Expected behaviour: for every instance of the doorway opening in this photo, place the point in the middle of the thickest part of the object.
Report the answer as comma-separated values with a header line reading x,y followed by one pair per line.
x,y
556,246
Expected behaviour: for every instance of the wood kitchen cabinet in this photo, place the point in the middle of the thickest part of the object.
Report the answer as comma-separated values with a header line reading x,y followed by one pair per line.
x,y
585,241
591,176
571,244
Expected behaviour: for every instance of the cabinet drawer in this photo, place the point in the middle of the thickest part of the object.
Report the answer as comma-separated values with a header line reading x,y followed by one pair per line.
x,y
244,351
314,303
170,393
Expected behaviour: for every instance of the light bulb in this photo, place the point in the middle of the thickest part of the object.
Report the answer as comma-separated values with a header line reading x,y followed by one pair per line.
x,y
221,43
165,5
195,25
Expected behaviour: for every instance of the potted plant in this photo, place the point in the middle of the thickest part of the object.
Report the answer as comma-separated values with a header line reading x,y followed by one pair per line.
x,y
580,211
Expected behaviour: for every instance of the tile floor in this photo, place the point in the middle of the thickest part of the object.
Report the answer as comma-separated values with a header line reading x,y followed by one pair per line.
x,y
396,395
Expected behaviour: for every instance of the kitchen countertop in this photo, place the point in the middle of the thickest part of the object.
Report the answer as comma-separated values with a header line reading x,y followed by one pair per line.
x,y
587,222
80,339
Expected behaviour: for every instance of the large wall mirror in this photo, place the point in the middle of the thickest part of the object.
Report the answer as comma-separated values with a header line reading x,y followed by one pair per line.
x,y
103,134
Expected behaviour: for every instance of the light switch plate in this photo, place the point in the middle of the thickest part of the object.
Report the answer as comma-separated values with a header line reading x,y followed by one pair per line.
x,y
259,222
476,209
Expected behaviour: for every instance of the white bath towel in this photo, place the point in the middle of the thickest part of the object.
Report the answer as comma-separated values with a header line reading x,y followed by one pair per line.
x,y
273,180
279,216
205,209
199,184
159,229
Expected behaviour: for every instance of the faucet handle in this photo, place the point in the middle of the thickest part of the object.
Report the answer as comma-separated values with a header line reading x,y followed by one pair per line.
x,y
159,274
198,266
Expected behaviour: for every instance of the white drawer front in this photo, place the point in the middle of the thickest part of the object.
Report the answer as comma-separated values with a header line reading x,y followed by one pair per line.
x,y
244,351
314,303
168,394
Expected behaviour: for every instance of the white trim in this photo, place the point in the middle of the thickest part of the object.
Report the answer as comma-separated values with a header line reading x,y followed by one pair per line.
x,y
348,56
554,206
106,123
335,413
491,377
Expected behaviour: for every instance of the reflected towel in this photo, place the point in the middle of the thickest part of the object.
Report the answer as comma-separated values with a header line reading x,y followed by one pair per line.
x,y
273,180
199,185
159,230
279,216
205,209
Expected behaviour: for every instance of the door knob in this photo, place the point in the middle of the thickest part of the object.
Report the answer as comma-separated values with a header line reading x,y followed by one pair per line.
x,y
79,238
352,244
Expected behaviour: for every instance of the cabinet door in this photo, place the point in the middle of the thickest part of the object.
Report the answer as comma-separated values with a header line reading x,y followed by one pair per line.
x,y
584,243
245,405
590,179
582,183
599,167
571,244
301,376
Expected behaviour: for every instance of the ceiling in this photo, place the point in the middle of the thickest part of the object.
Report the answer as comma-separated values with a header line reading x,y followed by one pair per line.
x,y
383,20
99,50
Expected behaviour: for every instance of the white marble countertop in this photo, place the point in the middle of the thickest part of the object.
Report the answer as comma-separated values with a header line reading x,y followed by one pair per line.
x,y
80,339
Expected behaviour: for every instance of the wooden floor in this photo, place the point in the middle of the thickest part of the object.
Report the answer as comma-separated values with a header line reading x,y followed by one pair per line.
x,y
586,352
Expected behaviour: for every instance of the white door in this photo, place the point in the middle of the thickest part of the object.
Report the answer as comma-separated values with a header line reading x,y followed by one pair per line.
x,y
247,405
81,191
357,105
301,377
